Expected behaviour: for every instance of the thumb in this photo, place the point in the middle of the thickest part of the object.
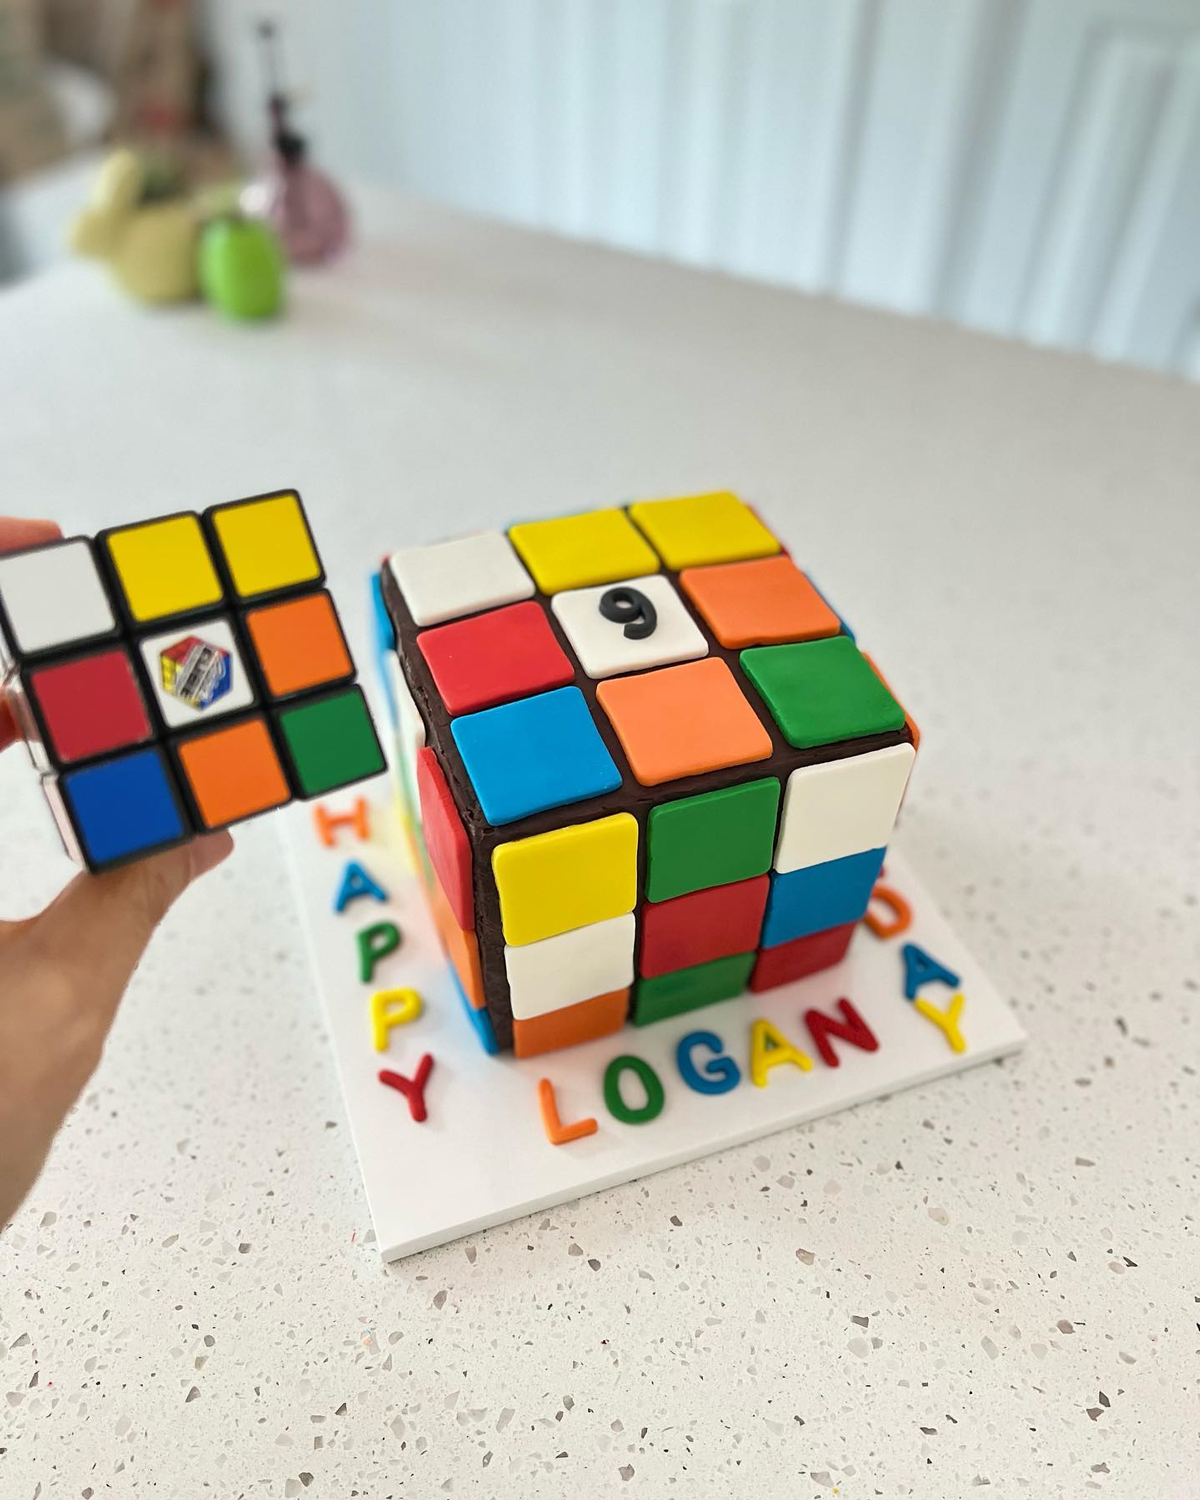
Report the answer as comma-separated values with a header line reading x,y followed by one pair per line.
x,y
100,925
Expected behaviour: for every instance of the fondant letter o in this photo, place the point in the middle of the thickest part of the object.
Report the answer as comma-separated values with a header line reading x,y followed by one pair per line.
x,y
615,1104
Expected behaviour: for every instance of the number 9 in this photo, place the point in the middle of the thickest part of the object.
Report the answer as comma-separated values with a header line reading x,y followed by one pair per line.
x,y
629,607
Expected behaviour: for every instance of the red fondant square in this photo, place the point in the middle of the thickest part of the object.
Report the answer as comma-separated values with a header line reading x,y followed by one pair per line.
x,y
716,923
490,658
802,956
446,838
90,705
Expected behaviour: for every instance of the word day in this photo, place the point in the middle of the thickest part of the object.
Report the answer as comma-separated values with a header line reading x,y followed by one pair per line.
x,y
633,1089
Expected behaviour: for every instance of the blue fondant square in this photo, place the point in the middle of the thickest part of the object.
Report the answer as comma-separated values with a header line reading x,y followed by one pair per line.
x,y
480,1021
124,806
536,753
821,896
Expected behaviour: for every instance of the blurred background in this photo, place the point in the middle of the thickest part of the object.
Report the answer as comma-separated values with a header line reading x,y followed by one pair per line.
x,y
1028,167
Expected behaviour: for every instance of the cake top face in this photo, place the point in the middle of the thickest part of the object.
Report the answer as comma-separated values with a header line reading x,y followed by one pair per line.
x,y
644,646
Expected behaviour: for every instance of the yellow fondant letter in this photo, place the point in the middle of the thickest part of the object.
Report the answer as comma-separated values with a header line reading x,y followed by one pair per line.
x,y
391,1008
946,1020
769,1048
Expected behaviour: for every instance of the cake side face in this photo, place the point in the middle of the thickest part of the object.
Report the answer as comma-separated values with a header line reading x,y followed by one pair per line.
x,y
649,764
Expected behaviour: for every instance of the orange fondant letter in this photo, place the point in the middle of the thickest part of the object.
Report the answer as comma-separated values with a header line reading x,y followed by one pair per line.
x,y
901,918
557,1133
326,822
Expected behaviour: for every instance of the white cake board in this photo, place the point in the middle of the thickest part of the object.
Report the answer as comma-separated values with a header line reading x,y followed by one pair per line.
x,y
482,1157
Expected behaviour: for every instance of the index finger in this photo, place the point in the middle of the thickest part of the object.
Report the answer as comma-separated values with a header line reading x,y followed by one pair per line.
x,y
16,533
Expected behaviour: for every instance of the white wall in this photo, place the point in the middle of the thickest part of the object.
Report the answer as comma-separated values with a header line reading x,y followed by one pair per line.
x,y
1031,167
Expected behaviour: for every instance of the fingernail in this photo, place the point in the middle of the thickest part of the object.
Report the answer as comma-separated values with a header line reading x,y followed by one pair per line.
x,y
209,851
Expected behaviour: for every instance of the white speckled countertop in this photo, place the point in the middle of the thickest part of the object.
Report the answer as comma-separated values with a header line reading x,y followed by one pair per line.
x,y
989,1284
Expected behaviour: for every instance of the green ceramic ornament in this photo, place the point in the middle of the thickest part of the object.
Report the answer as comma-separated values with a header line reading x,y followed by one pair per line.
x,y
242,267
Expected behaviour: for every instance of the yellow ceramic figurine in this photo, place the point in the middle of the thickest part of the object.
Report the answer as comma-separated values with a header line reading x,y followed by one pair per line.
x,y
151,247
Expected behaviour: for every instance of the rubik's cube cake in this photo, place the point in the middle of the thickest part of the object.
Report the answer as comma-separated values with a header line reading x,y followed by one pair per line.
x,y
177,675
648,764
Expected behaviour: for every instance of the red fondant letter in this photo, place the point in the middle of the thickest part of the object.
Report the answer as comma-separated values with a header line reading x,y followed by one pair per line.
x,y
851,1028
412,1088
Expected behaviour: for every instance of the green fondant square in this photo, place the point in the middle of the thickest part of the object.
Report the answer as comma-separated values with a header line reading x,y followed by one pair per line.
x,y
330,741
713,839
688,989
820,692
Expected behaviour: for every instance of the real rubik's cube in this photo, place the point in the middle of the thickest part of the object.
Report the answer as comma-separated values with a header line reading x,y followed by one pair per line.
x,y
649,764
177,675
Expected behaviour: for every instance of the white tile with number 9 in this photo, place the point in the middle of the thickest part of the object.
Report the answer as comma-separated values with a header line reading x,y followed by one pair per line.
x,y
611,630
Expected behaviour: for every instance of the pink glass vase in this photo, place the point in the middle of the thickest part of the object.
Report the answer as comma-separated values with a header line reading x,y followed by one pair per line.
x,y
303,207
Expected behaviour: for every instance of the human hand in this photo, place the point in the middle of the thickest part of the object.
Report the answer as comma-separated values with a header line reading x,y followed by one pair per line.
x,y
63,972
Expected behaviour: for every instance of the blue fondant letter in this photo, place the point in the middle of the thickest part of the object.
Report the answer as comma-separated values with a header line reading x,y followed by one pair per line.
x,y
719,1074
922,968
355,883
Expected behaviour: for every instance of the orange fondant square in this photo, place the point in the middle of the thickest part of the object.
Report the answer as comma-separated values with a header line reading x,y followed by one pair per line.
x,y
299,644
761,603
462,948
583,1022
682,721
232,772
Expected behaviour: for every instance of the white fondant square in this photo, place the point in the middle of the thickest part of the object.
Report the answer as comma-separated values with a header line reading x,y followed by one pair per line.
x,y
175,710
601,644
573,966
53,597
841,807
460,577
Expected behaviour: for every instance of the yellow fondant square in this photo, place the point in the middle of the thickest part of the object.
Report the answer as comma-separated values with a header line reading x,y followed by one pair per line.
x,y
164,567
696,530
574,552
266,544
567,878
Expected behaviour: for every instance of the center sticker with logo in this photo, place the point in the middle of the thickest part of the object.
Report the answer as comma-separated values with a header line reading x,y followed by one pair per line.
x,y
197,672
